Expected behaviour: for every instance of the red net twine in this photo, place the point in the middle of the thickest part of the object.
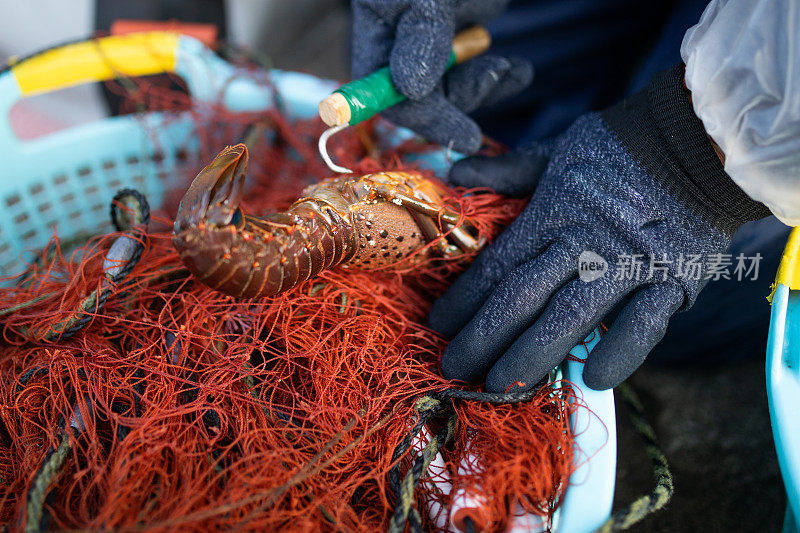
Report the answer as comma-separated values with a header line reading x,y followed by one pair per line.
x,y
179,408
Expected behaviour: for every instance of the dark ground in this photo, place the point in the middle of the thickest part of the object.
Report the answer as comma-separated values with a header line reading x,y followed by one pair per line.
x,y
713,425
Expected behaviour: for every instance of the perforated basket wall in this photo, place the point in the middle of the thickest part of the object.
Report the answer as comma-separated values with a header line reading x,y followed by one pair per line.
x,y
65,180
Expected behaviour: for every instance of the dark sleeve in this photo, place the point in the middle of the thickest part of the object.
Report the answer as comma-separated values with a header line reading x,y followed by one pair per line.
x,y
659,127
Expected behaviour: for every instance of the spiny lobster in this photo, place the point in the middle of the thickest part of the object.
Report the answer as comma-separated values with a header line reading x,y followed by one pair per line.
x,y
369,221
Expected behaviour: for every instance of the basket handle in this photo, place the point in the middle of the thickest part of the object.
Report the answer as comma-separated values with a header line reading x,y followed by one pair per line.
x,y
133,54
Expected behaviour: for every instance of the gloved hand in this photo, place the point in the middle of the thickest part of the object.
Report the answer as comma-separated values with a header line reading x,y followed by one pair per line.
x,y
638,181
415,38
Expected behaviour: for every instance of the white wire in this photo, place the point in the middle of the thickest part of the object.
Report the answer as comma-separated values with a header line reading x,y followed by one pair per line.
x,y
323,150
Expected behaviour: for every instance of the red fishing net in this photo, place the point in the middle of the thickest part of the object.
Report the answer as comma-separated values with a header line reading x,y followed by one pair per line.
x,y
177,407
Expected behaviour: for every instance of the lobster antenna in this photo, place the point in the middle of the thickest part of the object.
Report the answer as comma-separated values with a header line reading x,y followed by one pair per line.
x,y
323,149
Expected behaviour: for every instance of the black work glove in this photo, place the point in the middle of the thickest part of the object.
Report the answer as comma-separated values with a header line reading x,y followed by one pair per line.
x,y
415,37
637,190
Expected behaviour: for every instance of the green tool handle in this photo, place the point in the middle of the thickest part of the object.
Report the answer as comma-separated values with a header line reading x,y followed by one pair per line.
x,y
361,99
374,92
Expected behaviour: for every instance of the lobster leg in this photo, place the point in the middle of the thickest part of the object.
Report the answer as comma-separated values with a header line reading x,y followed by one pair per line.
x,y
430,209
426,212
461,237
431,230
464,240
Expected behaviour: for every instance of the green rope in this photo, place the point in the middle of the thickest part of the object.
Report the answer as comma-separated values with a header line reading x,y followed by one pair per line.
x,y
23,305
427,407
343,307
664,488
439,404
124,221
50,468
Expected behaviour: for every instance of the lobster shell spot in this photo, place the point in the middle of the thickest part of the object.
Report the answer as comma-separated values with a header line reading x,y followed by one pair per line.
x,y
383,227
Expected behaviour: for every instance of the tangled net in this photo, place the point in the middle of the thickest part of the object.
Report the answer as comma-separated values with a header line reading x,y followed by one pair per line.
x,y
176,407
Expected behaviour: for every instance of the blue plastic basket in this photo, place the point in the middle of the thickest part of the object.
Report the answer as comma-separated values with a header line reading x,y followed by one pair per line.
x,y
65,180
783,375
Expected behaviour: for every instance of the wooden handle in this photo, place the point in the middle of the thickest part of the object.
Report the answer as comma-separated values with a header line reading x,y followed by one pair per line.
x,y
470,43
334,110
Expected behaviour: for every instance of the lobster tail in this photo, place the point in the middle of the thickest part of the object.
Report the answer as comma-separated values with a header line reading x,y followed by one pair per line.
x,y
245,256
293,247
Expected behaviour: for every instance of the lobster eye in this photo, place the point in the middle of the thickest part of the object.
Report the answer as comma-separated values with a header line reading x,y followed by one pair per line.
x,y
237,219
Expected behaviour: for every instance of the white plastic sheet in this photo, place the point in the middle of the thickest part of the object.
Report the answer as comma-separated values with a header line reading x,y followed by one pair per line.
x,y
743,69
